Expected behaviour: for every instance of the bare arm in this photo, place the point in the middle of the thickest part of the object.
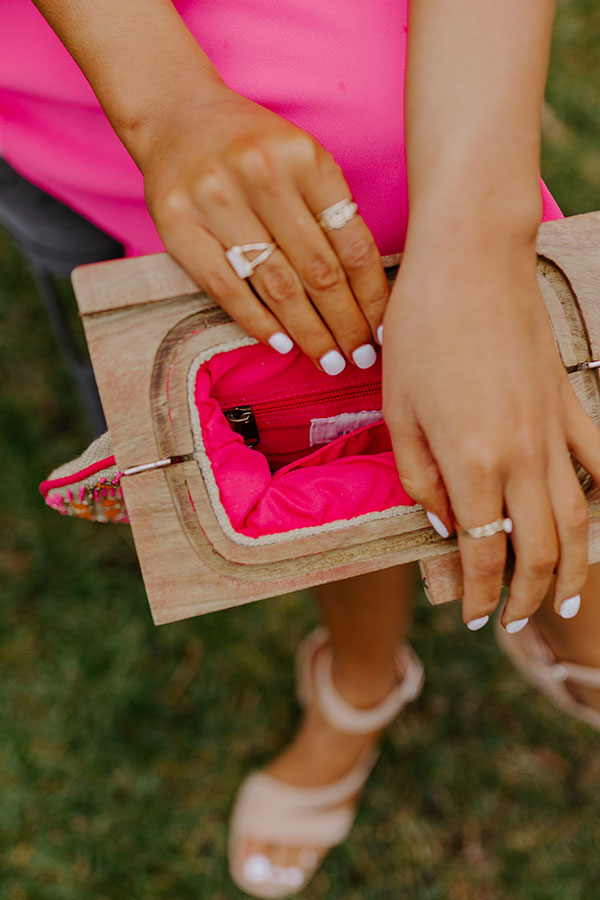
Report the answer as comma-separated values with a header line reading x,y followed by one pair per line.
x,y
475,87
220,170
481,413
140,59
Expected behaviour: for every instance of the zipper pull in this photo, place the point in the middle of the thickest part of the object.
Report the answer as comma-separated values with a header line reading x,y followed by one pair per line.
x,y
243,421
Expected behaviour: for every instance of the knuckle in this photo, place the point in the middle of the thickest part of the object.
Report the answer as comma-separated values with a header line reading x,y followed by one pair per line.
x,y
419,486
255,164
210,189
305,151
486,566
576,519
531,450
542,564
174,204
480,459
322,274
219,286
355,332
357,253
430,478
278,283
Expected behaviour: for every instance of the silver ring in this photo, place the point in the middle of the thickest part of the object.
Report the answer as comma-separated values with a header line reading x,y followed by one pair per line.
x,y
243,267
337,215
501,524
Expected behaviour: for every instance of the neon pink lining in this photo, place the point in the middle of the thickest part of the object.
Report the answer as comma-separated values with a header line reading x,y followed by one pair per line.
x,y
353,475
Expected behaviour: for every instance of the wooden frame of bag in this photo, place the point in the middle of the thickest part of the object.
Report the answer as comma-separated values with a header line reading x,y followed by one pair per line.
x,y
146,321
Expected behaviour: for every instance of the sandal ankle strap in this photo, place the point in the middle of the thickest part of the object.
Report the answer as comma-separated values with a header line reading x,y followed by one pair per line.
x,y
315,664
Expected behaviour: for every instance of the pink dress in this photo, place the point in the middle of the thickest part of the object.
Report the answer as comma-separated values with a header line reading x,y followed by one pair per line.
x,y
335,68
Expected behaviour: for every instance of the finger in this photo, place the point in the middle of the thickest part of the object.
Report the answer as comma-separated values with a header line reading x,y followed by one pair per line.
x,y
279,287
583,437
224,210
358,253
203,258
476,498
572,523
293,226
535,542
353,243
419,473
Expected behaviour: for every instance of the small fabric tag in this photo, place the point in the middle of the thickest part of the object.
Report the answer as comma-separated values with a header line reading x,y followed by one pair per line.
x,y
322,431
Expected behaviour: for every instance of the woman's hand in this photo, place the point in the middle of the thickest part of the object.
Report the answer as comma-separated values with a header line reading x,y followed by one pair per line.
x,y
222,171
229,172
482,419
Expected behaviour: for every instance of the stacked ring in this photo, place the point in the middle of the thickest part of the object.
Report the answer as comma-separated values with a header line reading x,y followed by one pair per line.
x,y
479,531
245,267
338,215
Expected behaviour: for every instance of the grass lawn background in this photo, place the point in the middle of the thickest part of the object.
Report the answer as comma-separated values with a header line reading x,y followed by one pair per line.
x,y
122,744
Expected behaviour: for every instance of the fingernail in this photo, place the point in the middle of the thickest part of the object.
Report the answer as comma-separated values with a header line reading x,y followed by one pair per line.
x,y
257,868
380,334
333,362
437,524
570,607
364,356
476,624
281,342
517,625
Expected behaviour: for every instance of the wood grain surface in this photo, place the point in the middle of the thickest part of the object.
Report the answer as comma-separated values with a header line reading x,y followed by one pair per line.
x,y
146,321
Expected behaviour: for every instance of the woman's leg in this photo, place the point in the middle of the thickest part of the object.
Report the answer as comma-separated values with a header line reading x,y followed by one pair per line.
x,y
367,616
576,640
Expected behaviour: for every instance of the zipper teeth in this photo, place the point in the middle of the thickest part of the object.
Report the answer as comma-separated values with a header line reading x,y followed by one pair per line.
x,y
357,390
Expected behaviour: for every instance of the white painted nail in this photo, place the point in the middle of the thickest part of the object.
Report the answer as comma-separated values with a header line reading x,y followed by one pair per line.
x,y
278,875
517,625
294,877
476,624
437,524
257,868
364,356
570,607
333,362
380,334
281,342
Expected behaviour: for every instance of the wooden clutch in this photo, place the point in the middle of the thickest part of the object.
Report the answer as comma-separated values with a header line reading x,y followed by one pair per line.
x,y
147,324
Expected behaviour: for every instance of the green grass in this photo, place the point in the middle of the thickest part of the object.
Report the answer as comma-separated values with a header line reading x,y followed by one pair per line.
x,y
123,744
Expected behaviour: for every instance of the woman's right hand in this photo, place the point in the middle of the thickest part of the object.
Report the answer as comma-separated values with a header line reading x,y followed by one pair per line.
x,y
231,173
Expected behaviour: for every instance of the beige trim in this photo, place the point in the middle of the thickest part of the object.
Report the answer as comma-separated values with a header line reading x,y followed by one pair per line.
x,y
212,488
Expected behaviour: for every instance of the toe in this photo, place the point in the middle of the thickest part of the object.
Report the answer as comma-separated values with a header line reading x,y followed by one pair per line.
x,y
283,868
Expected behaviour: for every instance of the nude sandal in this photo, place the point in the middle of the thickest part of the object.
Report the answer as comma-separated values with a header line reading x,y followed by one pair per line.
x,y
537,663
285,814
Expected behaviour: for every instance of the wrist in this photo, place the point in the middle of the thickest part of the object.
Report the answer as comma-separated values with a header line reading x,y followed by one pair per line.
x,y
147,123
451,226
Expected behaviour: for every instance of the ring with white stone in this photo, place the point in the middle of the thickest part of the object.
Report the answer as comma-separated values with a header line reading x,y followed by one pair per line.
x,y
338,215
502,524
243,267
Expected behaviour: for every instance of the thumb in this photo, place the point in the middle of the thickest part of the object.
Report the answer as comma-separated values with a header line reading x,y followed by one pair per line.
x,y
583,440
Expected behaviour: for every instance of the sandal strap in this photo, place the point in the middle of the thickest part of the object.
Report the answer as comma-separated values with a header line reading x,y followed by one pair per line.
x,y
586,676
341,714
273,810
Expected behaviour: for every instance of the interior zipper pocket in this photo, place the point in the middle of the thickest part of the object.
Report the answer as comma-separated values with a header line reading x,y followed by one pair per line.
x,y
244,418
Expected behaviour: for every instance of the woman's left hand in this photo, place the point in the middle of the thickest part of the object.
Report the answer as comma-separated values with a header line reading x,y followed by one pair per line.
x,y
482,418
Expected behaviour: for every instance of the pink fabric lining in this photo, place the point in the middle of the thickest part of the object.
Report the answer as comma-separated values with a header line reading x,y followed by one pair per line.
x,y
351,476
